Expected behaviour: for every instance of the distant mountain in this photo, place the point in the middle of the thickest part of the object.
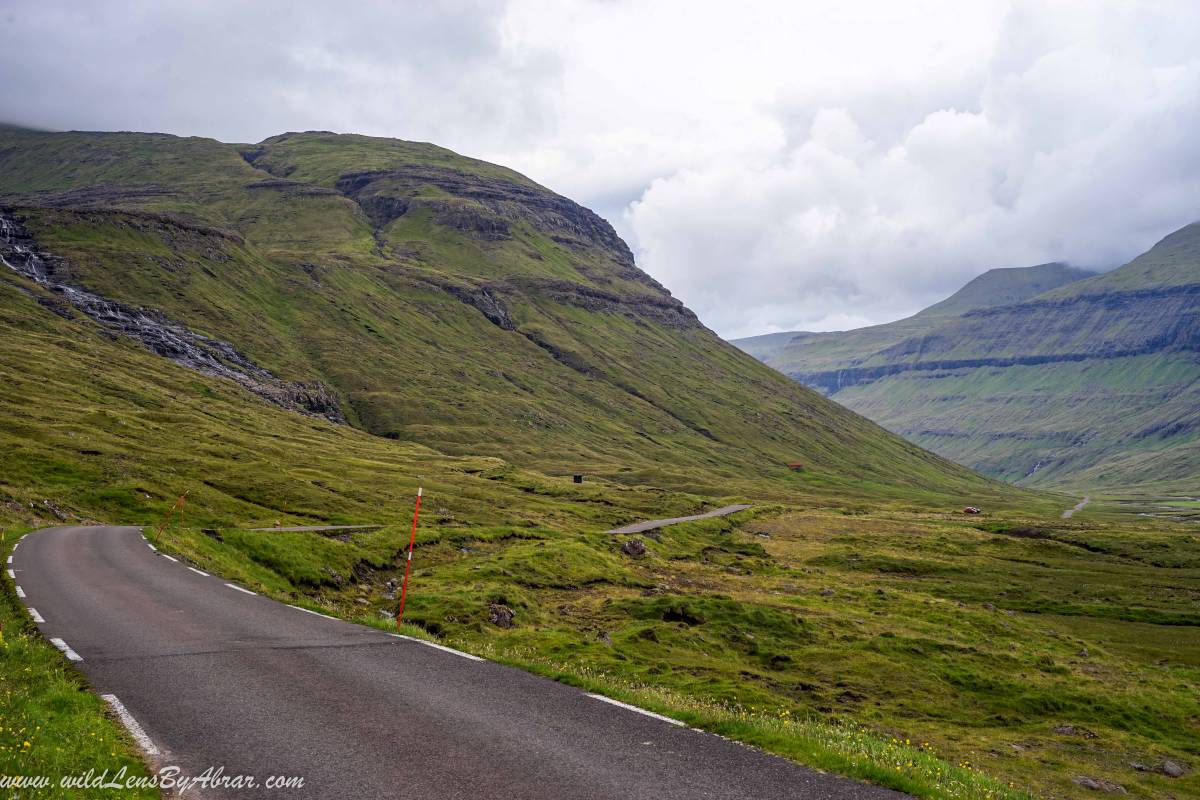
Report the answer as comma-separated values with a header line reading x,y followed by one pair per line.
x,y
801,351
1041,376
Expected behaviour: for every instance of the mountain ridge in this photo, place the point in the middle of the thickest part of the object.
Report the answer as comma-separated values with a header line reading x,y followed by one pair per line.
x,y
996,287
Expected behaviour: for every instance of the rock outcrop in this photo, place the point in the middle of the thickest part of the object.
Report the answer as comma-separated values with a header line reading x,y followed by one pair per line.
x,y
156,332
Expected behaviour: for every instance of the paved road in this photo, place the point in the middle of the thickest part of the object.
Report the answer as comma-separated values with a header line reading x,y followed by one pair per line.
x,y
1070,512
218,677
652,524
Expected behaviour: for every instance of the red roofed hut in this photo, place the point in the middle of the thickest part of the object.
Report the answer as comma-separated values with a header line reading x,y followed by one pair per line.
x,y
796,466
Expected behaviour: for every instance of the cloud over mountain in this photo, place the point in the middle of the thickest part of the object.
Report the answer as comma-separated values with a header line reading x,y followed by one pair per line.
x,y
817,165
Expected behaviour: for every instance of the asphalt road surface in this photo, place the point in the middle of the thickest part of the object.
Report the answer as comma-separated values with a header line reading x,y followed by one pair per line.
x,y
216,677
652,524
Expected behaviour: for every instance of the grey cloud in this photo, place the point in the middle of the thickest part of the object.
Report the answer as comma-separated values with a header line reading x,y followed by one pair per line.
x,y
244,71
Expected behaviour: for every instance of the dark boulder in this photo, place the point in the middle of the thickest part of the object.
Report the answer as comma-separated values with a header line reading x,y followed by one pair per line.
x,y
635,548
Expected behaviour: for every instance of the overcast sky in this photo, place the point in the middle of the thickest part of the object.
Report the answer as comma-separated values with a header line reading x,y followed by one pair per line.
x,y
779,166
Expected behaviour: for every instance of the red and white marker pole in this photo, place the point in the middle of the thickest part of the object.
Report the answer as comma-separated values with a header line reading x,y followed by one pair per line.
x,y
412,540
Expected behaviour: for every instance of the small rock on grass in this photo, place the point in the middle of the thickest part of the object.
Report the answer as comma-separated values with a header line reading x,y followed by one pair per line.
x,y
501,616
1098,784
1171,769
1071,730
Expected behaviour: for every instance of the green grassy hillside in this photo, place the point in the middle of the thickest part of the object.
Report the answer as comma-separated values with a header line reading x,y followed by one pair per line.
x,y
1090,384
437,299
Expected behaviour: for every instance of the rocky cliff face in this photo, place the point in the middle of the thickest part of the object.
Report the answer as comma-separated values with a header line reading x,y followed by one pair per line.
x,y
153,330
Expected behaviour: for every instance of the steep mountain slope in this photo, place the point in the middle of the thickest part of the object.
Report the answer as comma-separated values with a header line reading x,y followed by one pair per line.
x,y
423,296
1093,383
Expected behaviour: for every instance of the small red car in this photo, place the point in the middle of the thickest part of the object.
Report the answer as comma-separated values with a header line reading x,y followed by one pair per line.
x,y
971,510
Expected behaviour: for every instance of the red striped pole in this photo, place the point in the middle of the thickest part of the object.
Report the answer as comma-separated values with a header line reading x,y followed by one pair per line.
x,y
412,540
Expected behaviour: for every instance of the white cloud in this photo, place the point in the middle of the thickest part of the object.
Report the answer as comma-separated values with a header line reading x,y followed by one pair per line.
x,y
1074,146
778,165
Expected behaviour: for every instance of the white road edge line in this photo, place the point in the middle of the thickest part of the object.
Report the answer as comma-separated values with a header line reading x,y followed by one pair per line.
x,y
308,611
198,572
11,574
131,724
169,558
240,589
67,651
152,547
20,593
437,646
628,707
36,616
10,559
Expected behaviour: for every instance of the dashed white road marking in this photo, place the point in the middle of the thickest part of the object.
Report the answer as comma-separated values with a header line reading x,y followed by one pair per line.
x,y
67,651
10,559
628,707
11,574
169,558
152,547
36,616
198,572
240,589
310,611
131,724
436,646
20,593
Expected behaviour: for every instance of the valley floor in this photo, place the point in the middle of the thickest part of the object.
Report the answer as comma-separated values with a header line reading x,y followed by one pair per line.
x,y
940,655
